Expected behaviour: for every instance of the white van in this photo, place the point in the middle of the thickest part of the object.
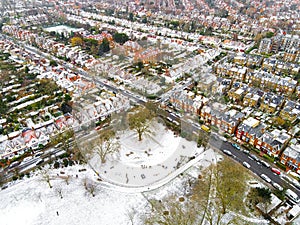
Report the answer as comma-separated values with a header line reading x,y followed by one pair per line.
x,y
292,196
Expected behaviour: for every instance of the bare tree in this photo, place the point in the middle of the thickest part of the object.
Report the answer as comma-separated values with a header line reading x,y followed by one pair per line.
x,y
170,211
106,145
2,180
90,186
63,138
58,190
66,179
131,213
216,192
46,177
140,121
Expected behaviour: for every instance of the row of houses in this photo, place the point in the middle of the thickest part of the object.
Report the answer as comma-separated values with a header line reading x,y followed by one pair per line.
x,y
74,54
35,134
259,78
289,44
244,125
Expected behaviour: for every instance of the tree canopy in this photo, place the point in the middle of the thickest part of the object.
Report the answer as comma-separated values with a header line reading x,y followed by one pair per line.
x,y
218,190
140,120
104,47
120,38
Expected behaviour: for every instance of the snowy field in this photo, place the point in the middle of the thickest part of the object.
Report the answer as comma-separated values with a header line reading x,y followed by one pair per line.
x,y
155,167
143,163
32,202
61,28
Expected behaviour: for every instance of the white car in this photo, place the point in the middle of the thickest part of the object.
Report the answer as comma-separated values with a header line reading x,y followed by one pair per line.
x,y
227,152
265,164
265,177
247,165
277,186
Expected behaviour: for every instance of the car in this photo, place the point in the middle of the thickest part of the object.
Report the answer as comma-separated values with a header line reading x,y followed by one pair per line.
x,y
292,196
254,157
58,145
265,177
28,158
39,162
246,151
224,139
38,154
227,152
236,146
265,164
14,164
247,165
275,170
277,186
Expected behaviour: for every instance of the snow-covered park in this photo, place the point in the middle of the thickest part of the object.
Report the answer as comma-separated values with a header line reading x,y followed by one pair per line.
x,y
61,28
113,193
145,163
31,202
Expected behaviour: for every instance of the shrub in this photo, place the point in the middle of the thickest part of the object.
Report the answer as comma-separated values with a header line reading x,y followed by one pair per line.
x,y
270,158
65,162
71,163
56,165
281,166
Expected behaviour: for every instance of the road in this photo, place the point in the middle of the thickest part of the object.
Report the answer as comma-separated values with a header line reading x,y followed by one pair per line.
x,y
240,156
28,165
255,166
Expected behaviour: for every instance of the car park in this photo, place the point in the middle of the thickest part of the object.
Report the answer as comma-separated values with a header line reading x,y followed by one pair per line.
x,y
265,177
247,165
275,170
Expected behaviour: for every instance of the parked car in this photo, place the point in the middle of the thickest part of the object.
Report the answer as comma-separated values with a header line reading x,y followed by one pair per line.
x,y
38,154
247,165
292,196
246,151
39,162
265,177
254,157
265,164
236,146
227,152
276,171
277,186
14,164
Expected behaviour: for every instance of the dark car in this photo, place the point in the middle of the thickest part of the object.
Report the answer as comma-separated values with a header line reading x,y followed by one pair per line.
x,y
39,162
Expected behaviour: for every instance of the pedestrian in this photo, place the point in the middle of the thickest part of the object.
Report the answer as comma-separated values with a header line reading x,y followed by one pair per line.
x,y
57,213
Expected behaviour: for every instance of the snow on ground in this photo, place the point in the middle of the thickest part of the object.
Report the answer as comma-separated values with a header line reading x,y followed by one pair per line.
x,y
32,202
61,28
141,163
